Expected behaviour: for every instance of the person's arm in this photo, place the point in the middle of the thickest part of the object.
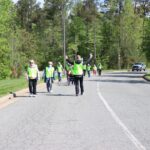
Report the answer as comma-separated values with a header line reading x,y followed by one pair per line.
x,y
69,61
89,60
27,74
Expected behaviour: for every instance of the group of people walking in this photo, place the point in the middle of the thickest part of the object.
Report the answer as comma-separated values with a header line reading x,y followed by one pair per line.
x,y
96,69
76,68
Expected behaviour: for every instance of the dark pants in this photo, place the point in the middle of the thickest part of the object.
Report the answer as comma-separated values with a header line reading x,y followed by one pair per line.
x,y
89,73
49,82
99,72
59,76
32,86
78,79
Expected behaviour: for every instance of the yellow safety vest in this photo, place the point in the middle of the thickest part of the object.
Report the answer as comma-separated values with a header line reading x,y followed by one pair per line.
x,y
95,68
49,72
78,69
59,68
32,72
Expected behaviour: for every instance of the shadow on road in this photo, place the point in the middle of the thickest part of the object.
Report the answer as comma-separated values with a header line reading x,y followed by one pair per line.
x,y
130,77
133,73
60,94
22,96
124,81
42,92
122,76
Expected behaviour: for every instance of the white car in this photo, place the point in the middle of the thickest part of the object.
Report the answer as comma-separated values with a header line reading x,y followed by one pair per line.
x,y
139,67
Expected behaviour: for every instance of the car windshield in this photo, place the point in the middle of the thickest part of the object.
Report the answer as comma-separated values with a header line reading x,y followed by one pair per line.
x,y
138,64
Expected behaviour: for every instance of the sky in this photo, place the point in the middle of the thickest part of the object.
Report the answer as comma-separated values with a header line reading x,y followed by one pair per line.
x,y
41,1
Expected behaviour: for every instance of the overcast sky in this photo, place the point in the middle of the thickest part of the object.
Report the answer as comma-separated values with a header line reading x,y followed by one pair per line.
x,y
41,1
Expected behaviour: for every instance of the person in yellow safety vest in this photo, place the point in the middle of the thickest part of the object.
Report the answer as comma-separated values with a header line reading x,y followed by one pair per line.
x,y
94,69
78,72
67,69
32,76
99,68
89,70
71,75
84,69
49,75
59,71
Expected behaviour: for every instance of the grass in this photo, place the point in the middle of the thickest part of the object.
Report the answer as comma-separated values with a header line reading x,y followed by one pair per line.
x,y
147,76
12,85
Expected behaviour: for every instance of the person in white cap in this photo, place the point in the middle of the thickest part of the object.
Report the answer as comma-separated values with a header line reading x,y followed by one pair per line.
x,y
32,76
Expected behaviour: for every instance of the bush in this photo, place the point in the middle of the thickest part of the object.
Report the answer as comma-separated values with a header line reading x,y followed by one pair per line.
x,y
4,72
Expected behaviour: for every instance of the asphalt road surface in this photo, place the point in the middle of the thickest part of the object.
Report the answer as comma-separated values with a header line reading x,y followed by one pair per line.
x,y
113,114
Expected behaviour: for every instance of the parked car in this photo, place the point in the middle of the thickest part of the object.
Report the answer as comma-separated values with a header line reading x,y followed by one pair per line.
x,y
139,67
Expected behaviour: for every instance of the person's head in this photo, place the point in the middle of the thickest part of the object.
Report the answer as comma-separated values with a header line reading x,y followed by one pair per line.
x,y
50,63
31,62
78,57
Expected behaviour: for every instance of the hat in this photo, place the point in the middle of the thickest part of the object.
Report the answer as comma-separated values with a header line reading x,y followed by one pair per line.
x,y
31,61
50,63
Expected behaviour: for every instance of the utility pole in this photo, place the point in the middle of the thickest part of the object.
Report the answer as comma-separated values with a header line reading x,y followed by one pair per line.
x,y
94,43
64,32
119,40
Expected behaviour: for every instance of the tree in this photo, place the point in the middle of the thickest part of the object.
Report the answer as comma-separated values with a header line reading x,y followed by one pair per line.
x,y
25,13
130,34
6,16
146,39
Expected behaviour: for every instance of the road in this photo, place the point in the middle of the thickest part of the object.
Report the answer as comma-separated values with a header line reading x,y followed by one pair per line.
x,y
113,114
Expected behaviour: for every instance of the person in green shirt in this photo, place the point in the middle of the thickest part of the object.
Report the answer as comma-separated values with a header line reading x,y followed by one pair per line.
x,y
89,70
99,68
49,75
59,71
78,72
32,77
84,69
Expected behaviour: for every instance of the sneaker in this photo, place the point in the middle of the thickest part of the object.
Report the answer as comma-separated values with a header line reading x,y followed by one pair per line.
x,y
30,95
34,95
51,91
77,94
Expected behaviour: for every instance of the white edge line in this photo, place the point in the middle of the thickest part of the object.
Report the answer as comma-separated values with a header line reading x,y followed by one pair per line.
x,y
133,139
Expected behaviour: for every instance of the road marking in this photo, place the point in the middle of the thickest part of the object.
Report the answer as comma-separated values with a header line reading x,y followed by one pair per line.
x,y
133,139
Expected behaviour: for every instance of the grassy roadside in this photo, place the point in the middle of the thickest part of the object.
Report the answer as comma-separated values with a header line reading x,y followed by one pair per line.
x,y
147,76
12,85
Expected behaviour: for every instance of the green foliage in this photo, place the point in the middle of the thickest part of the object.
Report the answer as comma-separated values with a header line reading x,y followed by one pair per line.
x,y
116,38
146,39
5,29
